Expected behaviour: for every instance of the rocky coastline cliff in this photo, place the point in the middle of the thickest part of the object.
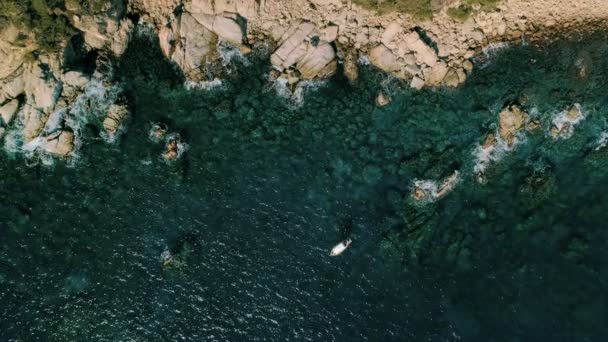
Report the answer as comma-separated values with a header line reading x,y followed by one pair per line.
x,y
42,89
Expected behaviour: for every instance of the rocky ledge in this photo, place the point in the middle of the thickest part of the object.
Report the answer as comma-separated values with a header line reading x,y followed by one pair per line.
x,y
40,90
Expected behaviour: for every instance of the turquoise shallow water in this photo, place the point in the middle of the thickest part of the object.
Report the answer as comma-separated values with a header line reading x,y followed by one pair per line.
x,y
267,187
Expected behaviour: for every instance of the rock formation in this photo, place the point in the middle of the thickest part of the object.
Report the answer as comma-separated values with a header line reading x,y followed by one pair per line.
x,y
512,119
302,48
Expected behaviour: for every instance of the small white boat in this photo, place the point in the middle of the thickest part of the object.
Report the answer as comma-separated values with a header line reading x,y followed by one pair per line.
x,y
341,247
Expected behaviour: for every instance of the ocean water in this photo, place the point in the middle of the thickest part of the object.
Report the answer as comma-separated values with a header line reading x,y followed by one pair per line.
x,y
271,182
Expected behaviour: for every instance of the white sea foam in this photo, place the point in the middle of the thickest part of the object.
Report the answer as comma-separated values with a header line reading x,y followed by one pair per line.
x,y
204,85
484,157
602,142
296,98
490,52
229,53
564,125
90,106
433,190
364,60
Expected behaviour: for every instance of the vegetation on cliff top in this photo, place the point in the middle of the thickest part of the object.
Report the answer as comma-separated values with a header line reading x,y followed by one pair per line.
x,y
47,20
423,9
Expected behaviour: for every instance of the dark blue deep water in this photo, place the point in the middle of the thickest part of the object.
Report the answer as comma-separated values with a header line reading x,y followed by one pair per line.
x,y
268,187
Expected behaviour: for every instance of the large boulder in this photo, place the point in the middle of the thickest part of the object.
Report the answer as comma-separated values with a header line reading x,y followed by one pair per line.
x,y
195,45
41,87
383,58
424,53
228,29
115,117
301,48
511,120
8,111
60,143
12,51
33,122
436,74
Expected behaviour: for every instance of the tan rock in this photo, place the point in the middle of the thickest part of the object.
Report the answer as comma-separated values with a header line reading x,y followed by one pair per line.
x,y
228,29
467,65
33,120
317,61
329,34
166,38
575,112
75,79
392,30
424,53
120,39
292,42
245,8
489,141
436,74
451,78
8,111
14,85
382,99
60,143
383,58
42,89
196,46
351,66
115,117
511,120
417,83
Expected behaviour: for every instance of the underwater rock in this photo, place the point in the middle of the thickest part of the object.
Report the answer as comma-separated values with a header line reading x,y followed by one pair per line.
x,y
158,132
382,99
538,187
511,120
60,143
116,115
8,111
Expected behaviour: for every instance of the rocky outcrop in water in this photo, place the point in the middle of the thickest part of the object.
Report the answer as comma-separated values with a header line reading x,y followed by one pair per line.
x,y
512,119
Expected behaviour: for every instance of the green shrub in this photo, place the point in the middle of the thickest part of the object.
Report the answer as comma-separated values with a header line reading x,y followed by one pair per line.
x,y
487,4
418,8
460,13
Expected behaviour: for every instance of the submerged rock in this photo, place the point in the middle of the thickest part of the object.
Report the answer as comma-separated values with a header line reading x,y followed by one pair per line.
x,y
158,132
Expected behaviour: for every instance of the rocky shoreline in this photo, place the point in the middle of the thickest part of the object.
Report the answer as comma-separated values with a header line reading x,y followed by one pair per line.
x,y
39,91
